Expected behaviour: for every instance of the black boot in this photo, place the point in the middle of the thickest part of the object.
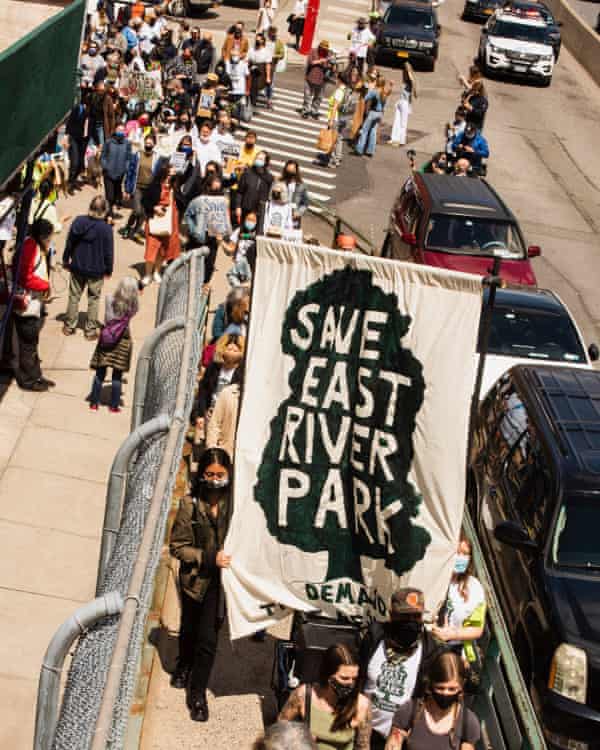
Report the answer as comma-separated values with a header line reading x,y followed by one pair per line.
x,y
198,707
179,678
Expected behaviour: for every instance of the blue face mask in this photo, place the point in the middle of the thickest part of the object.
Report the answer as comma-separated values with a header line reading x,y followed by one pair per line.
x,y
250,225
187,150
461,563
259,163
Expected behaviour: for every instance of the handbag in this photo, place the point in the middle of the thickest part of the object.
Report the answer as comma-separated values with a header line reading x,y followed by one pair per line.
x,y
113,331
327,140
161,226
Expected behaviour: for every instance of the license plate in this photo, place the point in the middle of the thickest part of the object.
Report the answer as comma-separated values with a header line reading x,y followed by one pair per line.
x,y
520,68
488,11
402,54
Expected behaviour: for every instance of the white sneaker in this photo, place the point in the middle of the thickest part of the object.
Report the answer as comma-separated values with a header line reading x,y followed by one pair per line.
x,y
146,280
157,277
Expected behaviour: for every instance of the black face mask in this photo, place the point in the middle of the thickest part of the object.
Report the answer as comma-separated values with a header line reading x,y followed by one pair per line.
x,y
342,691
444,701
403,635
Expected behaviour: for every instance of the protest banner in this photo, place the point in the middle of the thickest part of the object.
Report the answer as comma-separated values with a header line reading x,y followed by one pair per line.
x,y
351,446
142,86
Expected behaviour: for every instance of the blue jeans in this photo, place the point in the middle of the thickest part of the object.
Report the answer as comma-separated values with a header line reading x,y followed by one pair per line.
x,y
115,393
97,135
368,133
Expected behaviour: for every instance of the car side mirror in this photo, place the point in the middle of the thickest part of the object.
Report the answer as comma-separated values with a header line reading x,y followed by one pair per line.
x,y
438,30
559,23
514,535
593,352
484,31
409,238
534,251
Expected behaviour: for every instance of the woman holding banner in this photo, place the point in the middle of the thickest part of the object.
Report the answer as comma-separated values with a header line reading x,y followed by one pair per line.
x,y
197,542
337,714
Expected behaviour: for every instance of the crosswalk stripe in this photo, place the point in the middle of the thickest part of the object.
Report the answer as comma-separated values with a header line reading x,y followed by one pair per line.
x,y
320,172
326,8
285,130
279,96
292,107
265,138
263,129
306,124
340,10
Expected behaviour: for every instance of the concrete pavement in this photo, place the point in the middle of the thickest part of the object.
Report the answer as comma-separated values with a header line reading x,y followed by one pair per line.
x,y
55,457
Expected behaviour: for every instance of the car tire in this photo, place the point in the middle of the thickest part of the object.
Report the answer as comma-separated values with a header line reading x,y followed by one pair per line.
x,y
431,65
546,82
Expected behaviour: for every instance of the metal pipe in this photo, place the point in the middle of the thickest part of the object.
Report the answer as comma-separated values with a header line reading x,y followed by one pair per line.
x,y
164,285
143,366
119,654
46,713
116,485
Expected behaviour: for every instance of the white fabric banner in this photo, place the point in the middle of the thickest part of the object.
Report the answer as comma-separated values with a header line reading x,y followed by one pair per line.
x,y
351,444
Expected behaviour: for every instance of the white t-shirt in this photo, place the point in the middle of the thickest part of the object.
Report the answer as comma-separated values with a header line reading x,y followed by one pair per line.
x,y
262,55
390,684
207,152
300,8
457,609
238,74
360,40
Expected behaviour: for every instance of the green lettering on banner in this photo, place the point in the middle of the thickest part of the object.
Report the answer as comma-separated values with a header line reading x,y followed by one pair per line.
x,y
344,593
312,592
327,593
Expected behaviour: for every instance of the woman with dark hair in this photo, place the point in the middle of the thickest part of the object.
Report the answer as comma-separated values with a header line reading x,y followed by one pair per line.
x,y
197,540
254,189
186,184
297,192
440,720
462,618
162,241
337,713
32,287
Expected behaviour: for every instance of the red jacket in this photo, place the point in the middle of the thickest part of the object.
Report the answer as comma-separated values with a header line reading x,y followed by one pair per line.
x,y
33,272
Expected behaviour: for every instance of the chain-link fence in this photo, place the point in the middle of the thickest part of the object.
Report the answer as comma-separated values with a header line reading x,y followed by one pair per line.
x,y
105,664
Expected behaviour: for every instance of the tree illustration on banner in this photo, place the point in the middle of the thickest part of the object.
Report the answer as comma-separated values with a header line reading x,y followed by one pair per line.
x,y
334,472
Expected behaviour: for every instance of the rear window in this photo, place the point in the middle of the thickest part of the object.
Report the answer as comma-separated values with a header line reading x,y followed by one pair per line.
x,y
535,335
398,16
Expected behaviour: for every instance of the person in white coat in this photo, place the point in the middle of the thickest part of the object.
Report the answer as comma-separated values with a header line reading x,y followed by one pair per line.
x,y
403,107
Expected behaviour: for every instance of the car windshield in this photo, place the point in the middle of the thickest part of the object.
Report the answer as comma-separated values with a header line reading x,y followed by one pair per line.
x,y
398,16
575,539
534,334
467,235
520,31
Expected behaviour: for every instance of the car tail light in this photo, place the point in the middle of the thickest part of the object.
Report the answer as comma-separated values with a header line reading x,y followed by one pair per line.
x,y
568,672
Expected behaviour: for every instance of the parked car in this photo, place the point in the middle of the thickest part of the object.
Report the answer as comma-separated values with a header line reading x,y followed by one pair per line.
x,y
519,46
534,492
480,10
458,223
531,325
409,31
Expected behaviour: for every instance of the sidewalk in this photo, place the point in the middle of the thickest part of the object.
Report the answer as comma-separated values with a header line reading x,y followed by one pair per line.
x,y
55,457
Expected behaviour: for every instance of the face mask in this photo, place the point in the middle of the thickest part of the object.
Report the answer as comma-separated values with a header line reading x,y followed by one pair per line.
x,y
444,701
186,125
342,691
216,484
205,139
403,635
248,146
461,563
276,196
187,150
250,225
290,175
259,163
92,52
237,34
119,135
148,149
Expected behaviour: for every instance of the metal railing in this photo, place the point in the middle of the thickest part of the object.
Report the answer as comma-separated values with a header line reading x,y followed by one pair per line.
x,y
105,664
508,718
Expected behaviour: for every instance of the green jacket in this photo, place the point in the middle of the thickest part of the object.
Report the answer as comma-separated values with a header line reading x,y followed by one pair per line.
x,y
196,538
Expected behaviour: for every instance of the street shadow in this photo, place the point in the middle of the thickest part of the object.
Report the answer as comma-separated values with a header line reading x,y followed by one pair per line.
x,y
81,319
165,642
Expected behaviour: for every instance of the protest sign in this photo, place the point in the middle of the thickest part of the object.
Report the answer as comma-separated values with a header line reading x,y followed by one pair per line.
x,y
142,86
351,446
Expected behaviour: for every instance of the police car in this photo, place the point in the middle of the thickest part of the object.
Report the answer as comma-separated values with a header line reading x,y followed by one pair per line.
x,y
517,44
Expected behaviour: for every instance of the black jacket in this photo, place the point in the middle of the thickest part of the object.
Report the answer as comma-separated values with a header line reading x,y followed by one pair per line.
x,y
204,53
370,644
89,248
253,192
76,122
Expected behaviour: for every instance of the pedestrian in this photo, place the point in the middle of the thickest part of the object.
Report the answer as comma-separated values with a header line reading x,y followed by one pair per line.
x,y
116,155
286,735
316,66
278,212
197,540
100,119
238,311
32,288
393,660
471,145
137,181
220,432
261,65
204,53
88,255
207,149
186,182
476,104
43,206
461,620
114,346
298,194
361,38
249,150
374,105
440,718
254,189
336,712
162,224
235,42
76,130
403,106
296,21
338,106
264,18
278,52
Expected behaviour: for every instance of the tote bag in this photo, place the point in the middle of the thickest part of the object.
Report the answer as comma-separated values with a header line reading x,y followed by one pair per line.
x,y
161,226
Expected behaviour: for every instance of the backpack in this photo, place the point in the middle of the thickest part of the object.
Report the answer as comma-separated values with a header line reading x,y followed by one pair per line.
x,y
113,331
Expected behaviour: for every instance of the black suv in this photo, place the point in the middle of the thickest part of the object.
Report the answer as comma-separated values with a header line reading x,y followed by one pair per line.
x,y
480,10
534,491
409,31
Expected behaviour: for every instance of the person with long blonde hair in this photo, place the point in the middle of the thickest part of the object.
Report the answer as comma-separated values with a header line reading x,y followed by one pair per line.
x,y
374,102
